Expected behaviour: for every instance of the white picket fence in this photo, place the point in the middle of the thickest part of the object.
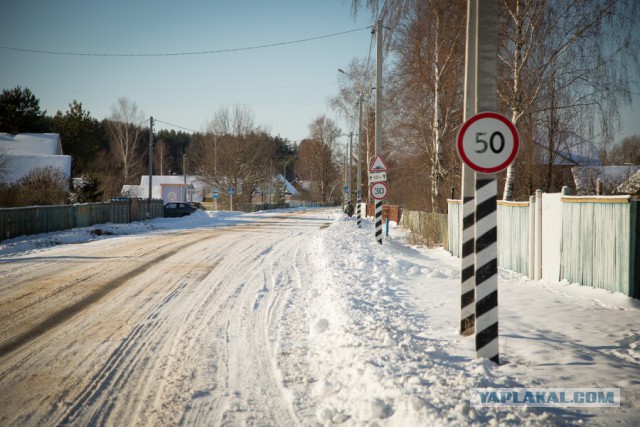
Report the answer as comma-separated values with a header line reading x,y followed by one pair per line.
x,y
594,241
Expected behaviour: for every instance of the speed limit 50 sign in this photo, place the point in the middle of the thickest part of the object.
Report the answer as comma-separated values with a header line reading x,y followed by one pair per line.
x,y
488,142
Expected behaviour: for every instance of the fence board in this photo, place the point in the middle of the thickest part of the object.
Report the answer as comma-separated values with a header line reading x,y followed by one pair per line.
x,y
597,245
513,236
431,227
31,220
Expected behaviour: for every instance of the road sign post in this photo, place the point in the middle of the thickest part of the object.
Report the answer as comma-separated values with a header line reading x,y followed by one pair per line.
x,y
215,195
231,192
378,191
487,143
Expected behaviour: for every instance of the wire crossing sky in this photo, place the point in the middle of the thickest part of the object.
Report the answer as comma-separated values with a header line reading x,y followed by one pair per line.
x,y
206,52
183,61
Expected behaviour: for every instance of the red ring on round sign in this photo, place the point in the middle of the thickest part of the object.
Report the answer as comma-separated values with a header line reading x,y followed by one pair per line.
x,y
471,121
385,193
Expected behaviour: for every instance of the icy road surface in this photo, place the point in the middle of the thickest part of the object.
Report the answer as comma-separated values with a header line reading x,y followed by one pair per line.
x,y
162,328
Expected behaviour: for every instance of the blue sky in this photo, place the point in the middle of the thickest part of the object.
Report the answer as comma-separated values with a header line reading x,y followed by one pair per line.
x,y
285,86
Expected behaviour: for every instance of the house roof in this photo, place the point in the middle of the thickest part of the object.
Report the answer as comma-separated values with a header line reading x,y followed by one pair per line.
x,y
28,151
173,179
20,166
632,185
30,144
613,178
290,188
570,149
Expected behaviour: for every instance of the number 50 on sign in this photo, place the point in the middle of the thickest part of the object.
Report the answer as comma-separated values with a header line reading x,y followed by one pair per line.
x,y
488,142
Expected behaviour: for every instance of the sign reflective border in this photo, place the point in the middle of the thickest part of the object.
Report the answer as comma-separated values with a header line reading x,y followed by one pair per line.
x,y
488,142
379,190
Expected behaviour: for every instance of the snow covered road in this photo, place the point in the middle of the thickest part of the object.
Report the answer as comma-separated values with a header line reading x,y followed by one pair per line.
x,y
286,318
156,329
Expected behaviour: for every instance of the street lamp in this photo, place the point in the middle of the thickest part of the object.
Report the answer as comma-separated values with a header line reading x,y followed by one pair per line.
x,y
359,193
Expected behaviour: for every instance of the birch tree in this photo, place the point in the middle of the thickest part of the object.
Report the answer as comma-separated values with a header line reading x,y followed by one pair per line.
x,y
234,153
317,159
125,136
581,50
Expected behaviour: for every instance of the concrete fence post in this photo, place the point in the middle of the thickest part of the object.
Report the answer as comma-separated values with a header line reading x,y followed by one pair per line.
x,y
532,234
537,272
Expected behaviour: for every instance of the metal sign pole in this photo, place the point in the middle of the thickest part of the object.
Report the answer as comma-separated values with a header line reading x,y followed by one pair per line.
x,y
378,112
486,263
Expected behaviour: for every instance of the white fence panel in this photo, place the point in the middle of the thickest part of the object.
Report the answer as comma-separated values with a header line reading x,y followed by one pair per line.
x,y
513,236
551,236
597,243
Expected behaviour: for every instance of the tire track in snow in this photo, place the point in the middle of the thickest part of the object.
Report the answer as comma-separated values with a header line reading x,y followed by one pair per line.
x,y
163,359
63,315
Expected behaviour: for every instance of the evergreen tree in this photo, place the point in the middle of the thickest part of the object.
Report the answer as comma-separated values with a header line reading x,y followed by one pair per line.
x,y
20,112
81,136
279,193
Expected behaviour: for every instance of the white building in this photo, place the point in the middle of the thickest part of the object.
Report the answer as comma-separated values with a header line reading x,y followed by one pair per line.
x,y
28,151
170,188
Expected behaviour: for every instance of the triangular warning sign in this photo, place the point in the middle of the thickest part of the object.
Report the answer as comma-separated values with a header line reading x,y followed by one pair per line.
x,y
378,165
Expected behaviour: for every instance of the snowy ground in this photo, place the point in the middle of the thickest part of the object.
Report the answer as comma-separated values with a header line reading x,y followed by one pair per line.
x,y
284,318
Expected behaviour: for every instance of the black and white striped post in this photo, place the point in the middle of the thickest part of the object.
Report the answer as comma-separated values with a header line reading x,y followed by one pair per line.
x,y
468,221
379,221
487,143
486,274
378,128
378,191
468,272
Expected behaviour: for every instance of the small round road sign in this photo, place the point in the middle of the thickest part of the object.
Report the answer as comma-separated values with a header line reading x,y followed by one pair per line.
x,y
488,142
379,190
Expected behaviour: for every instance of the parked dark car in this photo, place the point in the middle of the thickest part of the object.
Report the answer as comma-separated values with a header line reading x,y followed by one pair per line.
x,y
178,209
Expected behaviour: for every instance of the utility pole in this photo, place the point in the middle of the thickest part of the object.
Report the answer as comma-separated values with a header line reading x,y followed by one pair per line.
x,y
184,174
359,194
378,111
486,266
150,166
349,170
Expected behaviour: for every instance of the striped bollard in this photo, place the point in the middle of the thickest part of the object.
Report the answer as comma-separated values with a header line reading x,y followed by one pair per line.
x,y
467,277
358,214
486,269
379,221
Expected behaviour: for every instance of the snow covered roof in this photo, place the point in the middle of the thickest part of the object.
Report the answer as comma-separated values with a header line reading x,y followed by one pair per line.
x,y
19,166
194,180
613,178
142,192
290,188
570,149
632,185
30,144
28,151
305,185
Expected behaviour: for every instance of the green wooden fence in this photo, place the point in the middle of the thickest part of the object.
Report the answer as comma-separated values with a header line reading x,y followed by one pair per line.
x,y
600,242
513,236
31,220
430,227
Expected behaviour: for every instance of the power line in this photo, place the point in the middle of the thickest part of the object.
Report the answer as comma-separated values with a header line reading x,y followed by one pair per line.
x,y
176,126
205,52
